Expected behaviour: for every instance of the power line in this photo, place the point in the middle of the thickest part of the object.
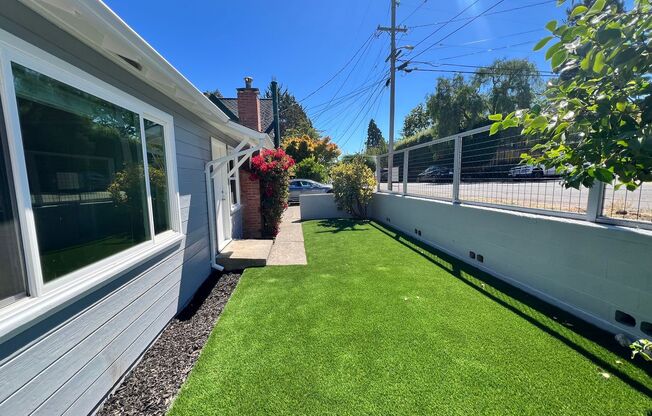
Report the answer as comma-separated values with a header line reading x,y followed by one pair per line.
x,y
423,2
346,108
460,27
340,70
363,99
488,14
446,23
505,70
449,71
355,65
369,107
529,42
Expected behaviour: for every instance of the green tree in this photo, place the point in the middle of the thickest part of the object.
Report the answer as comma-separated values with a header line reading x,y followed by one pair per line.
x,y
417,120
293,118
455,106
374,136
309,168
508,84
596,120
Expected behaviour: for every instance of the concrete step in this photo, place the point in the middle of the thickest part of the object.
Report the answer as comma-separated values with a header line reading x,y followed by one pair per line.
x,y
242,254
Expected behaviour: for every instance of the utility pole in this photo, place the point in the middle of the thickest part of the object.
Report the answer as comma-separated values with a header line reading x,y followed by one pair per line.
x,y
277,119
392,87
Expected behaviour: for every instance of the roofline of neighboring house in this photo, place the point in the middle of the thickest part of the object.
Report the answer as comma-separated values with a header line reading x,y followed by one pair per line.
x,y
218,102
108,34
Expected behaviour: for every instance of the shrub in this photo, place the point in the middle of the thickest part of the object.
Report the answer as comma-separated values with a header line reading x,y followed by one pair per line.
x,y
369,160
311,169
353,186
271,167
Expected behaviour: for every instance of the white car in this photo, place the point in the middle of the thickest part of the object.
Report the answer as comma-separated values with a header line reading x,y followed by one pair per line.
x,y
531,171
307,186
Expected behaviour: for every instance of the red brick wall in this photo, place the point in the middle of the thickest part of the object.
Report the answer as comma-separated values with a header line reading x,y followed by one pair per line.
x,y
249,108
252,222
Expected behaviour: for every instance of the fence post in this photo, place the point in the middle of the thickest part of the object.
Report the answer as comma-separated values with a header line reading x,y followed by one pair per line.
x,y
377,159
595,200
406,157
457,169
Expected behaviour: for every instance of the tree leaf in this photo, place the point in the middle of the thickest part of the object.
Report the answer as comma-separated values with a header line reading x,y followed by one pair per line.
x,y
551,25
496,117
596,8
586,62
553,49
598,64
495,128
539,122
605,35
604,175
578,10
540,44
625,56
559,58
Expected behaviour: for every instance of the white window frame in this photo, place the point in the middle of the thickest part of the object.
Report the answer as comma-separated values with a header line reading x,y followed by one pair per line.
x,y
45,298
234,207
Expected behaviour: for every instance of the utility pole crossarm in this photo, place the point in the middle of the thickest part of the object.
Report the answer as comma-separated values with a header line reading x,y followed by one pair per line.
x,y
389,29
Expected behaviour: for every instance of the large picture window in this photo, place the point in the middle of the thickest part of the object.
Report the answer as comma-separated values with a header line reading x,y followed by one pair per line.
x,y
84,162
88,184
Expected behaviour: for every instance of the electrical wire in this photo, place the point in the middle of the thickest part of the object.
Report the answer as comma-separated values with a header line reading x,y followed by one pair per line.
x,y
488,14
496,4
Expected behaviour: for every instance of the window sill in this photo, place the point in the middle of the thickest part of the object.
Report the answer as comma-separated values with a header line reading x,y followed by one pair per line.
x,y
28,311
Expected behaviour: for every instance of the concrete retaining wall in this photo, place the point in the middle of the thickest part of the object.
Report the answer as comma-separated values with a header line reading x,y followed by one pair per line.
x,y
588,269
320,206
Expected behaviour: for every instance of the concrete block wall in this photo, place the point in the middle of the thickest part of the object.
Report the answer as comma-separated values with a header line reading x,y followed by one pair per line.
x,y
320,206
588,269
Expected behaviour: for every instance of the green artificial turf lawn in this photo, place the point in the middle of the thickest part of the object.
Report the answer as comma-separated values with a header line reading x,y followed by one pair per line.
x,y
377,324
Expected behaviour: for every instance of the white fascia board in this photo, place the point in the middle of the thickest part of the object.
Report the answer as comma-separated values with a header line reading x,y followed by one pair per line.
x,y
96,25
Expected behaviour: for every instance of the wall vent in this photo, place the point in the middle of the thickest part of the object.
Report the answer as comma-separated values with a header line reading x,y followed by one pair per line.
x,y
625,318
131,62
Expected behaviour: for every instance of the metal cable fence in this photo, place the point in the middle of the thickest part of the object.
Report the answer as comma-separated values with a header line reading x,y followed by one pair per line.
x,y
476,168
627,205
492,173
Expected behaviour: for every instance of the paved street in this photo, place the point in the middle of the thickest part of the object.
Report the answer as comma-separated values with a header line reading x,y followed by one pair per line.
x,y
543,194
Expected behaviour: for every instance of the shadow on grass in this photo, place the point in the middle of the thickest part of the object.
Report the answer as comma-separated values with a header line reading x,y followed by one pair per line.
x,y
579,335
337,225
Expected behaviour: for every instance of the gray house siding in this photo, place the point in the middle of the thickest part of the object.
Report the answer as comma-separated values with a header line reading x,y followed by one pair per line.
x,y
67,363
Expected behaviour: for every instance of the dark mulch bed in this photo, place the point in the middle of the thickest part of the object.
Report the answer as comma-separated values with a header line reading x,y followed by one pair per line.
x,y
151,386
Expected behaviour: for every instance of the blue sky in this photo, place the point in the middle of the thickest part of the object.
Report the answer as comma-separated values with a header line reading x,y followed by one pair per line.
x,y
304,43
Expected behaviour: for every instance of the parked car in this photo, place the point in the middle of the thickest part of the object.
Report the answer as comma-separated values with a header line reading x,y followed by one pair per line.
x,y
531,171
307,186
434,173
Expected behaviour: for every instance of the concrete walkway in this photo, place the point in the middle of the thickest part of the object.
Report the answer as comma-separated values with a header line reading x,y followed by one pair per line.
x,y
288,248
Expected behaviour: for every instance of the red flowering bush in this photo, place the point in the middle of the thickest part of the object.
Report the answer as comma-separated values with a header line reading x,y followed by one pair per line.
x,y
272,167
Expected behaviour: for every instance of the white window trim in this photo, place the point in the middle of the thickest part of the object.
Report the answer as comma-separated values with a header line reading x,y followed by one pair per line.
x,y
235,207
44,299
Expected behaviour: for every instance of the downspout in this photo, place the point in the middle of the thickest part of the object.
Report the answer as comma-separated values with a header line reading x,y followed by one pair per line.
x,y
212,221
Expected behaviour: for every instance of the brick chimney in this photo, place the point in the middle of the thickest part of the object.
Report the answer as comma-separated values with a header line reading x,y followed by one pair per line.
x,y
249,105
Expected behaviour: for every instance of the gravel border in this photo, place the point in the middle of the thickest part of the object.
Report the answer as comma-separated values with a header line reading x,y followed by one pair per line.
x,y
154,382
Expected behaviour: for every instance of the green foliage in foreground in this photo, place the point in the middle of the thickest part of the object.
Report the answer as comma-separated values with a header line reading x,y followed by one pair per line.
x,y
353,186
377,325
597,118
